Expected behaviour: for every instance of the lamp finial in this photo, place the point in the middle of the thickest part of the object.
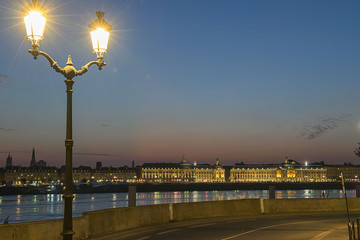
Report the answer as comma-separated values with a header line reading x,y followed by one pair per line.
x,y
34,5
100,22
100,14
69,62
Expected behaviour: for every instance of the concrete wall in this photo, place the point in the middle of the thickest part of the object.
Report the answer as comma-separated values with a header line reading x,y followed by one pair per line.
x,y
97,223
113,220
41,230
186,211
309,205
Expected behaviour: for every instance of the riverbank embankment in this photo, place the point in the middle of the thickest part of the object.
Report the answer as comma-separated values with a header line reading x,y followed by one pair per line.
x,y
109,221
171,187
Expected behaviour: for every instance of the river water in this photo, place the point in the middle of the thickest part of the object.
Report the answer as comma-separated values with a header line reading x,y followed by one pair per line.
x,y
26,208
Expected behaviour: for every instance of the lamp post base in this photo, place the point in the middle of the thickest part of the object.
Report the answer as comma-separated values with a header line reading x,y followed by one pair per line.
x,y
68,232
67,235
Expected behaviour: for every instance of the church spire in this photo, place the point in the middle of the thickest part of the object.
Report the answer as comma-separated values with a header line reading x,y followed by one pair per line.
x,y
33,161
183,160
9,161
184,163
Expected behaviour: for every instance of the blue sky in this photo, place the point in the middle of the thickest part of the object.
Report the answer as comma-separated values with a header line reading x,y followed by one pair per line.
x,y
250,81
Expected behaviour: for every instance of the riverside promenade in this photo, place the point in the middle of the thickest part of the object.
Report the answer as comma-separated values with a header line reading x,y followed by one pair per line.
x,y
101,223
313,226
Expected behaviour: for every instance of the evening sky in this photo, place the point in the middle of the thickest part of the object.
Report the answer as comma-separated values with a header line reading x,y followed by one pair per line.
x,y
250,80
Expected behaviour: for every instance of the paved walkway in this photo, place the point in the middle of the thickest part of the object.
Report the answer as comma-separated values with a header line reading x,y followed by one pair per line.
x,y
312,226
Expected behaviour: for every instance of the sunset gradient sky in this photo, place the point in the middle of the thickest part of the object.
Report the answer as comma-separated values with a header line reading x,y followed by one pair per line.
x,y
250,80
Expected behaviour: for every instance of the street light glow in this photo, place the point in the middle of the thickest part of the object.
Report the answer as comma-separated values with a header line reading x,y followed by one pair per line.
x,y
100,39
100,31
34,18
35,25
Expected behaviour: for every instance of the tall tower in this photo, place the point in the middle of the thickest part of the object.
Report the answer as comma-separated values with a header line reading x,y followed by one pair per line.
x,y
9,161
98,165
184,163
183,159
33,161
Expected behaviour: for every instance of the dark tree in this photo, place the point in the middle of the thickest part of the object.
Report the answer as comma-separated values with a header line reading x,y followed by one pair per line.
x,y
357,151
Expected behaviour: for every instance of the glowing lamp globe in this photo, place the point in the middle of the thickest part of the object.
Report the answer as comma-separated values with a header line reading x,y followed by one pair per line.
x,y
100,39
35,25
100,32
34,21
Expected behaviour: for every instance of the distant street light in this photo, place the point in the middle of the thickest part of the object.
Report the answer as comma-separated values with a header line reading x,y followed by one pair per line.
x,y
35,20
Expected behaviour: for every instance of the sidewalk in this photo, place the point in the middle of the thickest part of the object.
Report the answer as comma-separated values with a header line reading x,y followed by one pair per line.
x,y
338,233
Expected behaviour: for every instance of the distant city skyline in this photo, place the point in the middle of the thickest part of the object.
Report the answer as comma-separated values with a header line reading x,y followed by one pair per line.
x,y
242,81
43,163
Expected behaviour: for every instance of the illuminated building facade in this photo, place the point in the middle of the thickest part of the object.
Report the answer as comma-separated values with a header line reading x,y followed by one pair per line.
x,y
350,172
181,172
32,175
88,174
288,171
50,175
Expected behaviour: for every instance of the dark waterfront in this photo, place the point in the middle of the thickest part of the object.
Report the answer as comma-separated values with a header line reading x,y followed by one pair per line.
x,y
168,187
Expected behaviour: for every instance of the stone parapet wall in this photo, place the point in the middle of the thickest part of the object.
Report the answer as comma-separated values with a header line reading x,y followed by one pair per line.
x,y
103,222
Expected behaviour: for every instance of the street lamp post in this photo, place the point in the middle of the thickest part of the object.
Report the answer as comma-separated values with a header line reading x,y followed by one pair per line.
x,y
35,20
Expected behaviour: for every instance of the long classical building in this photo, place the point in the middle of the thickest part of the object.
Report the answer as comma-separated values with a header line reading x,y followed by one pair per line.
x,y
288,171
103,174
182,172
350,172
26,175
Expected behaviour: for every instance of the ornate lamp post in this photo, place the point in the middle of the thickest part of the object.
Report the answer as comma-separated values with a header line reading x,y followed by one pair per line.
x,y
35,20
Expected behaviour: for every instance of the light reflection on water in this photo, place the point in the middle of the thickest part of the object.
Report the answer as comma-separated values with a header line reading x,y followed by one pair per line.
x,y
25,208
